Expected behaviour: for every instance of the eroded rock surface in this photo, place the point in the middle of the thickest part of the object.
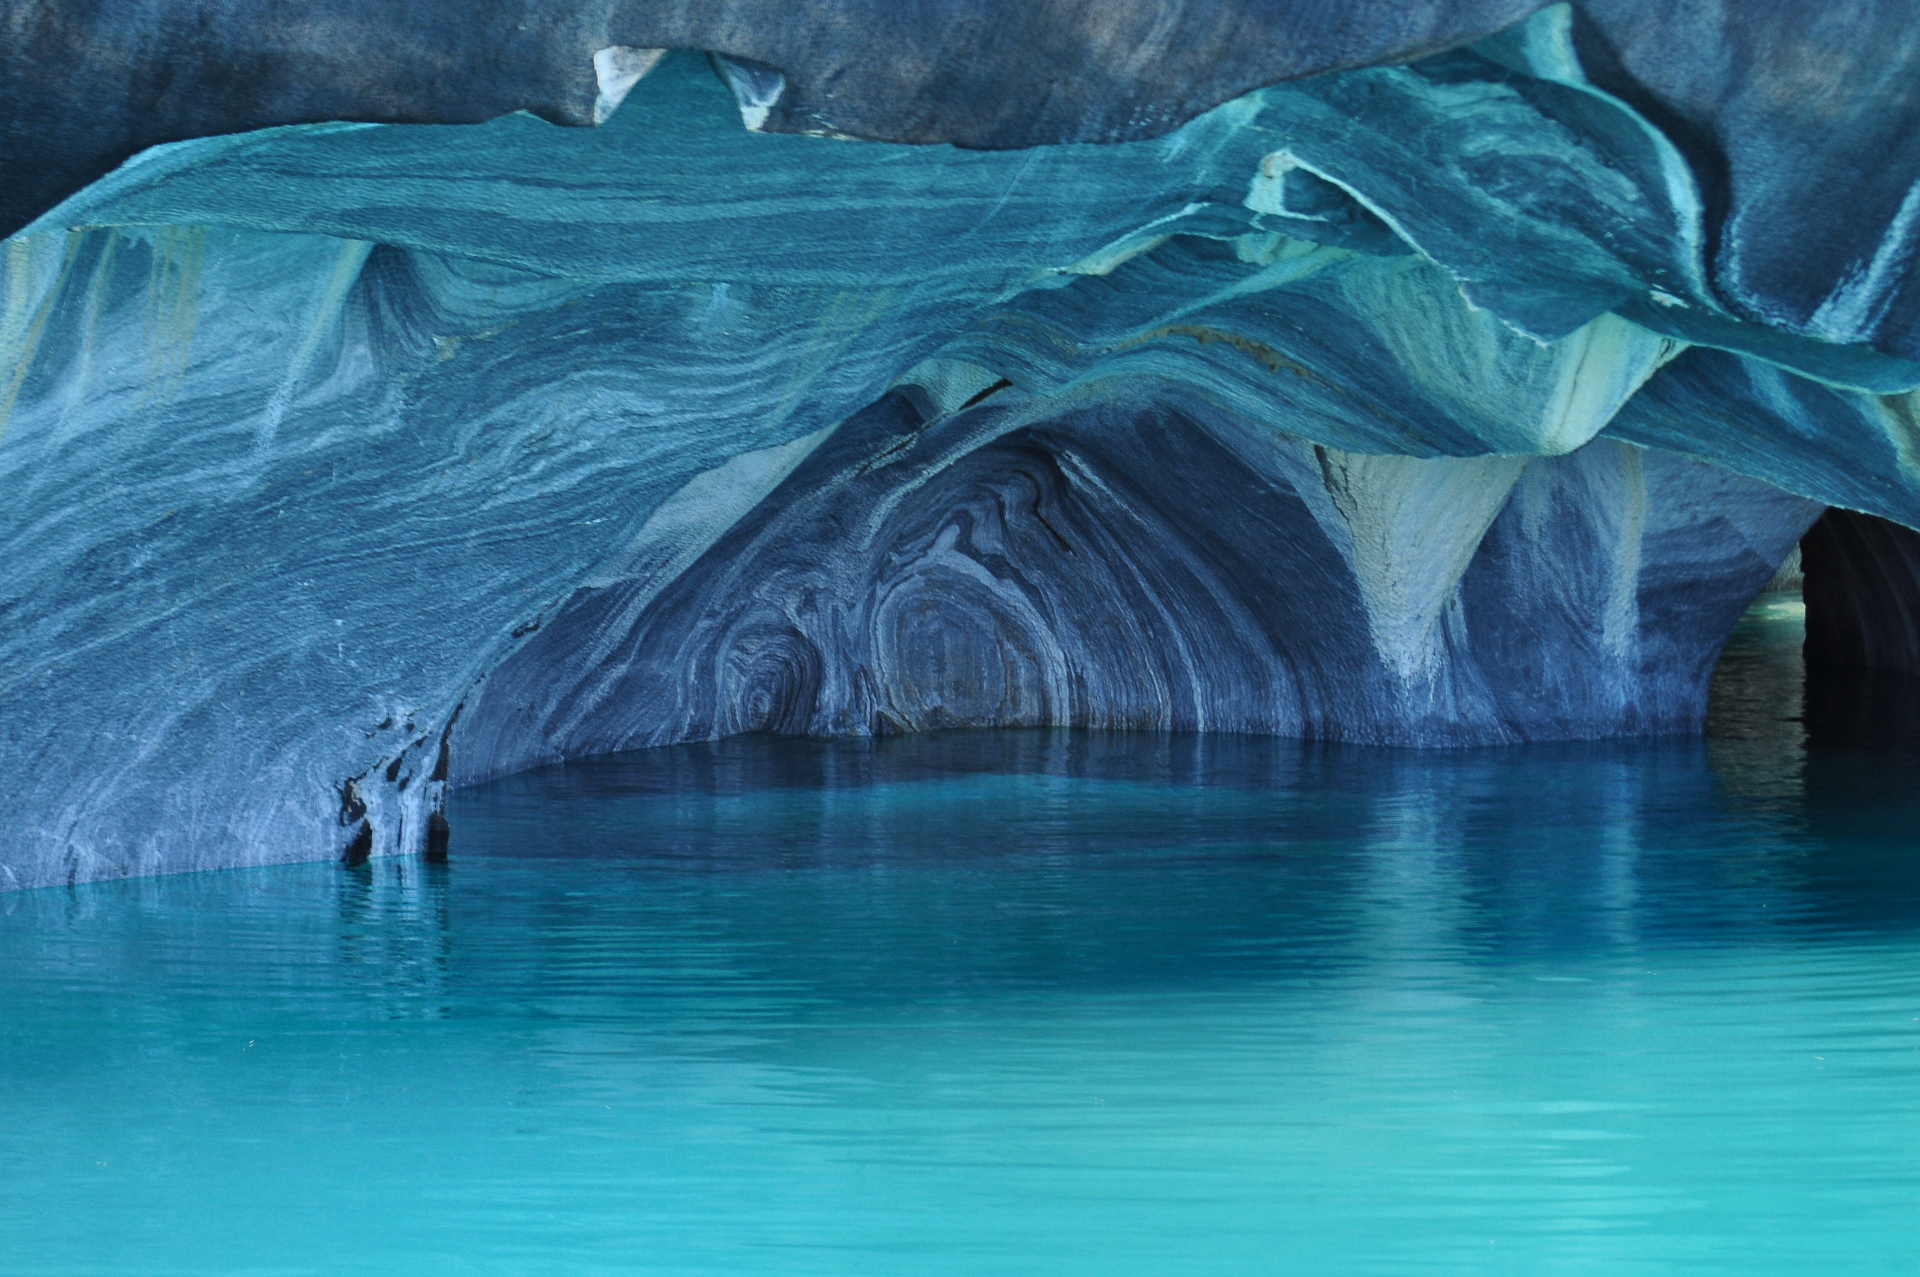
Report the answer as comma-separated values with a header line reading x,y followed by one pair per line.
x,y
1462,394
1157,566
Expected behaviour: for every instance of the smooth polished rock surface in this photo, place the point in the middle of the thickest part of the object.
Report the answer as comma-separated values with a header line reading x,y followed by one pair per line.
x,y
1545,219
1153,566
1403,404
1771,105
985,73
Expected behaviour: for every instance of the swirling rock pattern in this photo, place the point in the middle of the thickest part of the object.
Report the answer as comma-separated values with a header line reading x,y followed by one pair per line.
x,y
1449,401
1151,565
1775,105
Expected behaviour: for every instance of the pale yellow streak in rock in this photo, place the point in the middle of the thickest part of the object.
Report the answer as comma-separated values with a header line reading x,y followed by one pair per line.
x,y
173,307
22,323
1901,414
19,303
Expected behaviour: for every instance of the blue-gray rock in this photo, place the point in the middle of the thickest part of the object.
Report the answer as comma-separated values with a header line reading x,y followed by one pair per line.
x,y
1151,563
1452,401
1775,105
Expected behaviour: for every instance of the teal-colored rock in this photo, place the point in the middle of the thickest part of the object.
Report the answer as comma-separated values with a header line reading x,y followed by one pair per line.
x,y
1405,404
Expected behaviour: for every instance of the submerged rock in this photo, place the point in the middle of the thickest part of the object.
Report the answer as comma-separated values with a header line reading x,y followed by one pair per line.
x,y
1451,401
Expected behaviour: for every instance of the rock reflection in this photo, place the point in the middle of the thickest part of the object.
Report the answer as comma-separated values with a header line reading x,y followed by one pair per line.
x,y
767,1005
1022,859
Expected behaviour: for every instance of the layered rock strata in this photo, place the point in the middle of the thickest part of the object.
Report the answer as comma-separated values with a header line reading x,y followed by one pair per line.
x,y
1452,401
1159,566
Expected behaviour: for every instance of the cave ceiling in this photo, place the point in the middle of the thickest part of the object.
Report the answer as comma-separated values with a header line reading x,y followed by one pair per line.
x,y
397,396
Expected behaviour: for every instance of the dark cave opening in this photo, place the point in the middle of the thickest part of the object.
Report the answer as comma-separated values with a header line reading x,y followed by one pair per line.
x,y
1830,651
1862,595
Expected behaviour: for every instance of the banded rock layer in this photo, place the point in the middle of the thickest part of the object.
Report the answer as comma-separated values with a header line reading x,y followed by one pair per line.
x,y
1456,401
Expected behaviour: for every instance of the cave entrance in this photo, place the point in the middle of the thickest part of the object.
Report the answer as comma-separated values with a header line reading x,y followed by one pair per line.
x,y
1831,647
1862,596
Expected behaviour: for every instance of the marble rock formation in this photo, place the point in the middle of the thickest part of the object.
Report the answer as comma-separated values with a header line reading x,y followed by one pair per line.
x,y
1441,373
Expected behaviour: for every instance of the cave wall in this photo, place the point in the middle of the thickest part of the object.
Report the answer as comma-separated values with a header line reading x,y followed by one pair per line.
x,y
1152,565
1418,403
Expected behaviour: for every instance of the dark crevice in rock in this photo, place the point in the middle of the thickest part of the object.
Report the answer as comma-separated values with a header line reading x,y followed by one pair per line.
x,y
986,394
443,762
439,834
1862,590
360,848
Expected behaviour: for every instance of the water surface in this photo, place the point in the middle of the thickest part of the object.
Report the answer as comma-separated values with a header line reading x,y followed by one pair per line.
x,y
1017,1003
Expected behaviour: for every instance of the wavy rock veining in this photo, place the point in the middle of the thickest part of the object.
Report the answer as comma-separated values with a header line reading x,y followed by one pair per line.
x,y
1457,401
1154,565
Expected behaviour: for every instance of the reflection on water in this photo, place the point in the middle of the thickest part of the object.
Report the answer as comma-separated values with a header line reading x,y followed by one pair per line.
x,y
1016,1002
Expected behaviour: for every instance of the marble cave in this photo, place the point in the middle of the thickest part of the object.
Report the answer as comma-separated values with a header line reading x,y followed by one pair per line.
x,y
398,397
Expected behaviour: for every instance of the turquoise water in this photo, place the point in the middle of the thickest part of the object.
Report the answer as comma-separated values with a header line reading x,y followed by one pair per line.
x,y
1017,1003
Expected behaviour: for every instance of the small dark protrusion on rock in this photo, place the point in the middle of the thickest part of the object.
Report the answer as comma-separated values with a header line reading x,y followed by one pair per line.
x,y
352,805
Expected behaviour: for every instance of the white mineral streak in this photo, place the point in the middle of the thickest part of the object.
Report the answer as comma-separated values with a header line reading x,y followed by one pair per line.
x,y
688,523
322,327
1604,364
756,89
1522,396
616,69
1860,301
1412,525
1543,46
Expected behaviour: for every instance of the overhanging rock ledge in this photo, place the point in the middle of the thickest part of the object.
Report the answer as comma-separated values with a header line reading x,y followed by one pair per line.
x,y
453,391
